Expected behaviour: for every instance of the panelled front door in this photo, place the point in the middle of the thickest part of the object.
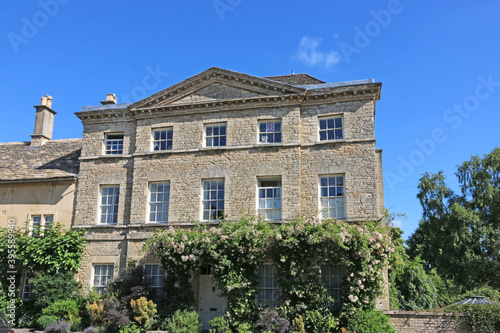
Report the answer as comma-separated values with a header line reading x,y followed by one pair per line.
x,y
210,304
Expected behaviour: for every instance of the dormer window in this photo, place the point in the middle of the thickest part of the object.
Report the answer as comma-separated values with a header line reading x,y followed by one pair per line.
x,y
113,144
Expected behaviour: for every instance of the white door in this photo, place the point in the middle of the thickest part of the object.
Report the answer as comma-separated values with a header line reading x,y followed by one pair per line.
x,y
210,304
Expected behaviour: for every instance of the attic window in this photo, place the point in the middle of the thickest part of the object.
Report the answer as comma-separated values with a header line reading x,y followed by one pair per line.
x,y
113,144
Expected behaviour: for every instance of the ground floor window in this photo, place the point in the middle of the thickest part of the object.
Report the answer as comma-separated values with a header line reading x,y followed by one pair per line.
x,y
331,276
268,289
103,273
27,286
154,277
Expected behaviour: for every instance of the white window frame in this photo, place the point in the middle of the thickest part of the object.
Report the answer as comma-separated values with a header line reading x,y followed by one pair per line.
x,y
27,286
328,128
46,221
269,198
268,284
209,137
332,277
156,143
153,202
113,143
107,204
211,195
103,279
270,131
150,278
332,196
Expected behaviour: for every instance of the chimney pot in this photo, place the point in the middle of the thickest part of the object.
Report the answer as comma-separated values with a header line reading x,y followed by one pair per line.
x,y
110,99
44,122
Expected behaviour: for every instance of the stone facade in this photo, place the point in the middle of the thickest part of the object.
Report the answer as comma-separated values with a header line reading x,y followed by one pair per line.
x,y
240,102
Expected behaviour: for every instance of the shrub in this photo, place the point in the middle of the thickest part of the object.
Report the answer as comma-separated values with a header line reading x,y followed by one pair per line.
x,y
131,329
64,309
183,322
479,318
58,327
91,329
320,321
220,324
96,310
52,287
143,312
129,284
46,320
369,321
114,316
271,321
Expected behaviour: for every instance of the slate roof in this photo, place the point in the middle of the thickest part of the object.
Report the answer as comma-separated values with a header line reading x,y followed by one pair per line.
x,y
295,79
55,159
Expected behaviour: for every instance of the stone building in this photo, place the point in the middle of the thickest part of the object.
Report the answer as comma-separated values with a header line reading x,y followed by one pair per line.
x,y
38,179
223,142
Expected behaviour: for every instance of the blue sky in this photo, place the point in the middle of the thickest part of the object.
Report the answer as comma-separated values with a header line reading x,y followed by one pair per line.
x,y
438,63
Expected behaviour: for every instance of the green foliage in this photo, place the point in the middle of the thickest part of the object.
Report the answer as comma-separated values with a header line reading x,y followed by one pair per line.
x,y
143,312
64,309
183,322
479,318
459,234
46,320
179,295
320,321
369,321
56,250
299,249
52,287
220,324
128,285
133,328
487,291
416,287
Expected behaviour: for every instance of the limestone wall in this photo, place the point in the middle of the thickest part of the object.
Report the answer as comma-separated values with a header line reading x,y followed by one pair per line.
x,y
425,322
22,200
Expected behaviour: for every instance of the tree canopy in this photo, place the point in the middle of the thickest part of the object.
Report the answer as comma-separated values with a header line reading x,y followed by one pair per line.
x,y
459,233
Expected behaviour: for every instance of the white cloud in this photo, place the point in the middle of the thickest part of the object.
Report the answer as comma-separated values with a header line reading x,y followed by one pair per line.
x,y
397,223
307,52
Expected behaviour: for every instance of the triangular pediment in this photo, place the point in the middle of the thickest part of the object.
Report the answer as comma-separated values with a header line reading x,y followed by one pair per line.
x,y
216,85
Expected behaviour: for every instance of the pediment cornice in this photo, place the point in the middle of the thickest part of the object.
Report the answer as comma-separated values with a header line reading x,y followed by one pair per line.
x,y
214,75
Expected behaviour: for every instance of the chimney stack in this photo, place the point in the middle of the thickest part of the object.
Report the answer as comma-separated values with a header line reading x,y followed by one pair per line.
x,y
110,99
44,122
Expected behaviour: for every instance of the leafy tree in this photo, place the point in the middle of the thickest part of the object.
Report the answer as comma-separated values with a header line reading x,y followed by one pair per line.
x,y
459,233
409,279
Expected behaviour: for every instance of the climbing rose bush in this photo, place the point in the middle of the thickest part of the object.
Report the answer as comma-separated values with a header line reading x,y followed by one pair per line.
x,y
299,249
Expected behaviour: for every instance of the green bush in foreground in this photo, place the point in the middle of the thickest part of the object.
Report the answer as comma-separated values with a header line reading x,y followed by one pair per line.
x,y
183,322
370,321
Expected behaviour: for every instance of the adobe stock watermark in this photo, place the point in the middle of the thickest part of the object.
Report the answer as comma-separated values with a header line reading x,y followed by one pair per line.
x,y
11,272
223,6
31,26
151,80
454,117
363,36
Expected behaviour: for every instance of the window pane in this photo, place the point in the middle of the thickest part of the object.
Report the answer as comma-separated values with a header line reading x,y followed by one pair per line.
x,y
322,124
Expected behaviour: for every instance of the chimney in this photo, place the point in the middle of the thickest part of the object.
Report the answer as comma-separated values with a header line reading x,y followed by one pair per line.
x,y
44,122
110,99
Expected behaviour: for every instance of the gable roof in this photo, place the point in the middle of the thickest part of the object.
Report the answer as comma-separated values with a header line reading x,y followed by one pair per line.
x,y
55,159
